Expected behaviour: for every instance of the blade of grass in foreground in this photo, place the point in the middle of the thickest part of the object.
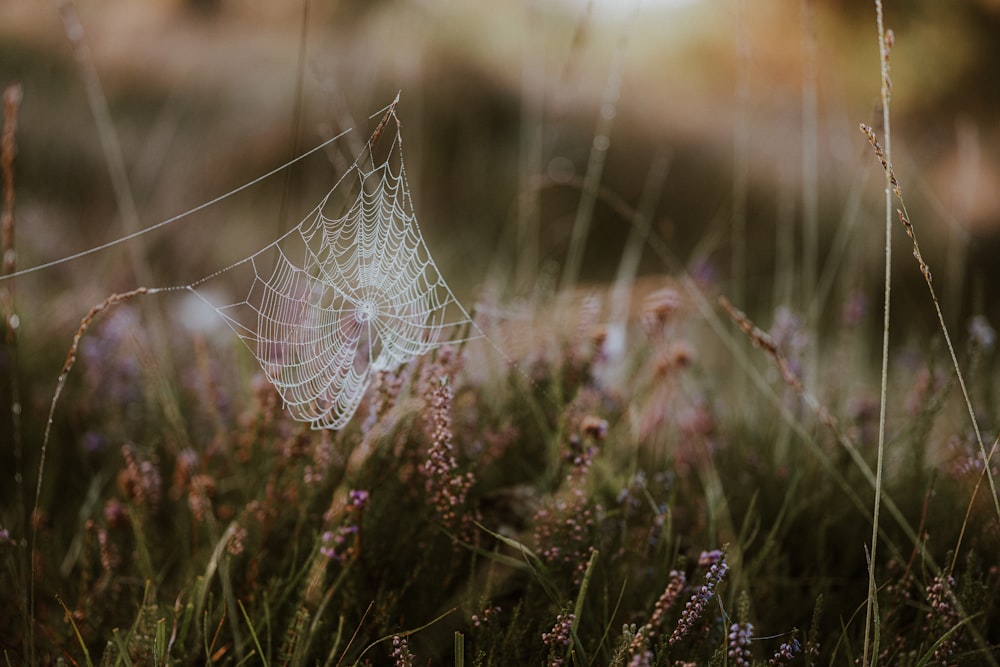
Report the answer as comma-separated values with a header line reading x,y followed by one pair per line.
x,y
892,187
884,43
253,633
76,632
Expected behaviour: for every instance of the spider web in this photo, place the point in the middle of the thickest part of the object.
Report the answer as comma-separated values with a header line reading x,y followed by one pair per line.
x,y
350,291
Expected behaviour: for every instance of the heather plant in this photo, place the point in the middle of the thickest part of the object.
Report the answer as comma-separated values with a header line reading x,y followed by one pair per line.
x,y
553,561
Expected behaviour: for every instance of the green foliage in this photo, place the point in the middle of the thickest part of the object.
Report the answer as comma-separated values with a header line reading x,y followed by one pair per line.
x,y
585,531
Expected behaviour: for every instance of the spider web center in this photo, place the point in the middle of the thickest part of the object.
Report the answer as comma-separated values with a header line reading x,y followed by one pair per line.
x,y
366,310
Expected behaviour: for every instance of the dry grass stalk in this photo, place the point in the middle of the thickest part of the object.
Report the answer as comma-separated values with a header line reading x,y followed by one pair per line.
x,y
8,151
764,341
885,43
904,218
85,323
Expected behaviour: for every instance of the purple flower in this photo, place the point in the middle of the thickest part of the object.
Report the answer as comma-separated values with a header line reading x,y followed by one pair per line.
x,y
401,652
785,653
708,558
358,498
739,644
561,631
695,606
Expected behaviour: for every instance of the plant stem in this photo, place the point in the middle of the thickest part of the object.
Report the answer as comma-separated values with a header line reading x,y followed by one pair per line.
x,y
883,48
8,260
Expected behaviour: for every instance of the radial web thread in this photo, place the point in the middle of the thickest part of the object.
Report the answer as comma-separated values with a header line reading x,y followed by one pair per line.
x,y
350,291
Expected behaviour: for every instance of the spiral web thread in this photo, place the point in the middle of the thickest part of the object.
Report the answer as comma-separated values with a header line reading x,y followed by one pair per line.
x,y
350,291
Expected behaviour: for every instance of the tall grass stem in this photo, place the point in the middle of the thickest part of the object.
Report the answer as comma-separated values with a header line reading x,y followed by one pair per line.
x,y
810,165
595,166
8,256
110,145
741,157
530,147
870,607
295,132
112,300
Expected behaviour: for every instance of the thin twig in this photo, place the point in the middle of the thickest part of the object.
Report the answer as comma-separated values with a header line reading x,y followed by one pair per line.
x,y
389,113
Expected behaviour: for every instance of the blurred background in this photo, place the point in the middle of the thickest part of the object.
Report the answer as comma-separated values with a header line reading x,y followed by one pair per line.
x,y
550,145
732,125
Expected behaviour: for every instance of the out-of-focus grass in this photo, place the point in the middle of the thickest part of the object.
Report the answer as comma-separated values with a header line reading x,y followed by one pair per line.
x,y
549,513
